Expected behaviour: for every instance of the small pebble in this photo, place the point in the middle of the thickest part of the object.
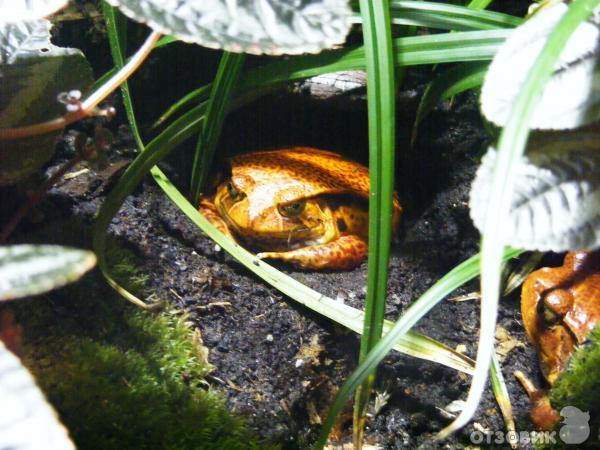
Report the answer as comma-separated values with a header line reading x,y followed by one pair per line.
x,y
269,338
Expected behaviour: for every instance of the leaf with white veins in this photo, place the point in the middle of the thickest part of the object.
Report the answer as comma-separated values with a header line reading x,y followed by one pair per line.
x,y
27,421
556,203
20,10
33,72
35,269
271,27
572,96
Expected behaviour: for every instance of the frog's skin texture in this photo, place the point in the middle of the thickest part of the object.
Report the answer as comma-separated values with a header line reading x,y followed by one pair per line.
x,y
304,206
560,306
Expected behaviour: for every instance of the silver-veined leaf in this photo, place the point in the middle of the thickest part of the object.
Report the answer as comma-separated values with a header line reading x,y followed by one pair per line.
x,y
34,269
572,96
21,10
27,421
33,72
556,203
250,26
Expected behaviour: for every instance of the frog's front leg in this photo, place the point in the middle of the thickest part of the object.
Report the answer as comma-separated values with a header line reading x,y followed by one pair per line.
x,y
209,211
343,253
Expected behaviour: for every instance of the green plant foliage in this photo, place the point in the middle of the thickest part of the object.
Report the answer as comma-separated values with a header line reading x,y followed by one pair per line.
x,y
381,99
33,72
124,378
34,269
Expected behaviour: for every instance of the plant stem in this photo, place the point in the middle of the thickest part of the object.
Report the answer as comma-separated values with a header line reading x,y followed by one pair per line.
x,y
88,106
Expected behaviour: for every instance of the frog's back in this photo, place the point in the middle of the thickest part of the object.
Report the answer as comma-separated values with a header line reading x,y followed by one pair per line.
x,y
305,171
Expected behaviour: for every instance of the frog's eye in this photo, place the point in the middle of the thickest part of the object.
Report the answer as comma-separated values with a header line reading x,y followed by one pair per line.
x,y
292,209
233,191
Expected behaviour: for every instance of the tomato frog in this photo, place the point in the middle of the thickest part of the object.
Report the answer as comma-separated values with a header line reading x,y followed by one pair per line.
x,y
303,206
560,307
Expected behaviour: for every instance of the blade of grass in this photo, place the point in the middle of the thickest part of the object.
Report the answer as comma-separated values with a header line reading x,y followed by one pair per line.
x,y
461,274
381,97
510,150
479,4
221,92
450,17
408,51
502,397
116,28
413,344
447,84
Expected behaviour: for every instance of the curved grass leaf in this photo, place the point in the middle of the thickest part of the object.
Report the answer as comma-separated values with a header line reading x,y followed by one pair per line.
x,y
27,420
223,86
510,149
447,84
461,274
449,17
34,269
413,343
271,27
408,51
571,98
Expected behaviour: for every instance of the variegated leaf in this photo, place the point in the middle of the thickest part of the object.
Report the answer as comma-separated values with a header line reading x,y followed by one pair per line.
x,y
21,10
33,72
572,96
556,202
27,421
34,269
271,27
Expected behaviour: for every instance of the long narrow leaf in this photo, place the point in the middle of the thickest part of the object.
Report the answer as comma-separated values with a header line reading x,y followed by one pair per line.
x,y
449,17
408,51
222,89
116,27
377,36
413,343
447,84
461,274
510,149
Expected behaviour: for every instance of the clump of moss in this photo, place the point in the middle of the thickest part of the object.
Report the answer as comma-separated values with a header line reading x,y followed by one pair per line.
x,y
123,378
579,386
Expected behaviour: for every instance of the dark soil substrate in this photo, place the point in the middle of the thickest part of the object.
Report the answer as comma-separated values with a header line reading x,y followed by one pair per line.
x,y
280,364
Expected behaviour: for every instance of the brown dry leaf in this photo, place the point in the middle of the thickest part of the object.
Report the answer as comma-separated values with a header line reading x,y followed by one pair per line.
x,y
505,343
311,351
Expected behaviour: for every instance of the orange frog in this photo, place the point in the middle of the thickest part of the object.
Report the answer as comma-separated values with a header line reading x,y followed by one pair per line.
x,y
301,205
560,306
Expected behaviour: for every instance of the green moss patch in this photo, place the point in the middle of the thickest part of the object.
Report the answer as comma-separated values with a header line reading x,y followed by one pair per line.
x,y
123,378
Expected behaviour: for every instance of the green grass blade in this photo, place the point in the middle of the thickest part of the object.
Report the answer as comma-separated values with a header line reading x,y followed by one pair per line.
x,y
449,17
461,274
510,150
479,4
413,344
222,89
158,149
501,394
116,28
408,51
447,84
381,98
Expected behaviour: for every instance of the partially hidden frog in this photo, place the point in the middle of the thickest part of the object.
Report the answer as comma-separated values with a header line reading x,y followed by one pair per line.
x,y
560,306
300,205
